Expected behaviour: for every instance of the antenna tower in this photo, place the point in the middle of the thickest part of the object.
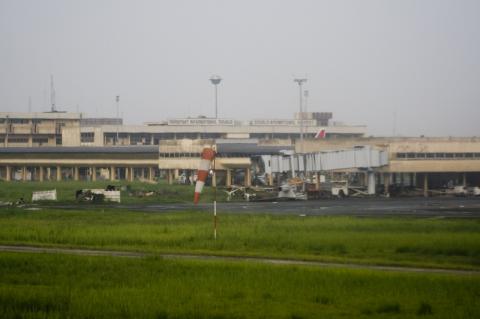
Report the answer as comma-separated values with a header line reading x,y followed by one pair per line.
x,y
52,95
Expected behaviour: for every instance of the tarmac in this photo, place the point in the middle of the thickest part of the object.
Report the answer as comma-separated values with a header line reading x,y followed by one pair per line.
x,y
435,207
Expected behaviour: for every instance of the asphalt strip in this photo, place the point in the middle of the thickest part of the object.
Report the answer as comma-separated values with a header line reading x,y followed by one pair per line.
x,y
127,254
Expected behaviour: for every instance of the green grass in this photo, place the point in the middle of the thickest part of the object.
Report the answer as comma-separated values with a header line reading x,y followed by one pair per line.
x,y
60,286
447,243
176,193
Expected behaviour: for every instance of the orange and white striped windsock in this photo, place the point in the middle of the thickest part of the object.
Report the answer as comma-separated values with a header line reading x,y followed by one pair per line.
x,y
208,155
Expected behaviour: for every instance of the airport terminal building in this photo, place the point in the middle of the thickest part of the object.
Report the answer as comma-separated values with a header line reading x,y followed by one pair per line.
x,y
67,146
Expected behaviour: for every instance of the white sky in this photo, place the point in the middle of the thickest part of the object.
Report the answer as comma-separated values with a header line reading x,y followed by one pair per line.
x,y
365,60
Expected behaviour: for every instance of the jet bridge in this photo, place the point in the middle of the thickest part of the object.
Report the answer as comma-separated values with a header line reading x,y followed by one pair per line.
x,y
360,157
365,158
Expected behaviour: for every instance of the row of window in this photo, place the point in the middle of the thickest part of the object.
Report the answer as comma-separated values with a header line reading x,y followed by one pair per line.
x,y
39,140
197,155
19,121
438,155
163,136
168,155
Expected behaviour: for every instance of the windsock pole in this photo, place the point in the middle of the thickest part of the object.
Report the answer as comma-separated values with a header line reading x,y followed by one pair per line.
x,y
208,156
214,202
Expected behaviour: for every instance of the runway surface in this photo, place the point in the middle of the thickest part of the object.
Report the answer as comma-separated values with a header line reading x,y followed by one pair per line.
x,y
456,207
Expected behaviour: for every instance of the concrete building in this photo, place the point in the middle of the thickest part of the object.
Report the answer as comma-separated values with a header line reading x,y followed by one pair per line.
x,y
423,162
48,129
78,163
39,129
105,149
73,129
205,128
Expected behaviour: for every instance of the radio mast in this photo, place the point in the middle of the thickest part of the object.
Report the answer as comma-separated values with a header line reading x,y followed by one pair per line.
x,y
52,95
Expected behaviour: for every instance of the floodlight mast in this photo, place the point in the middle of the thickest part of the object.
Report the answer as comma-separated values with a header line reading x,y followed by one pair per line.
x,y
215,79
300,84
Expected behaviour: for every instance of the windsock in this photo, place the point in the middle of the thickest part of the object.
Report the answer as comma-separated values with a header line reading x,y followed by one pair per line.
x,y
208,155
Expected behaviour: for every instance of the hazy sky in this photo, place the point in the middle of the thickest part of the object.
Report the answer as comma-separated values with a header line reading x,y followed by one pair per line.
x,y
365,60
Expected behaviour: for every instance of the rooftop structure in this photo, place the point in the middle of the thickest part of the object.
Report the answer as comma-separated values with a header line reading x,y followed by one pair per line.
x,y
72,129
287,130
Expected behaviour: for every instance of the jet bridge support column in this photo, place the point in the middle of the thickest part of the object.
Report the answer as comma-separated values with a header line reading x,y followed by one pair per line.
x,y
425,185
371,183
228,179
386,183
248,177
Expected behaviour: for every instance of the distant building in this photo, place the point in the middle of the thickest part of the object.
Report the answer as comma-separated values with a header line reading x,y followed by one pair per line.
x,y
284,130
37,129
71,129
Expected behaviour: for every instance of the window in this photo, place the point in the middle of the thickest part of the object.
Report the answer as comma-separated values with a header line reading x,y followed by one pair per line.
x,y
40,140
58,128
87,137
136,139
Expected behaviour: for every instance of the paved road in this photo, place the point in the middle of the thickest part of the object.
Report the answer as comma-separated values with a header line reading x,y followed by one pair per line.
x,y
420,207
127,254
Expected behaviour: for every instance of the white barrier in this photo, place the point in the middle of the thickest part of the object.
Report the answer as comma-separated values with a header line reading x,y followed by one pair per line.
x,y
112,196
44,195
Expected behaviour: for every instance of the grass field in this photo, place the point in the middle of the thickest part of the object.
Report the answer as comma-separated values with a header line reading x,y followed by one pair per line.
x,y
444,243
60,286
176,193
63,286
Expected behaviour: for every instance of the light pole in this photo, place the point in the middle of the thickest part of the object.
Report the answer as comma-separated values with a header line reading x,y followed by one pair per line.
x,y
215,79
300,84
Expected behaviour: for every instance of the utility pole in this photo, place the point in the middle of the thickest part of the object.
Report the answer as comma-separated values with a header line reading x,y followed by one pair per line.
x,y
52,95
117,99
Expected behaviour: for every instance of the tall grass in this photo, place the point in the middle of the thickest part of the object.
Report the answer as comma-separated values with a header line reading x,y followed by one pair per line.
x,y
402,241
59,286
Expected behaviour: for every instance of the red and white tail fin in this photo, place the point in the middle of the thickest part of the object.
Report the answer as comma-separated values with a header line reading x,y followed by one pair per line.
x,y
321,134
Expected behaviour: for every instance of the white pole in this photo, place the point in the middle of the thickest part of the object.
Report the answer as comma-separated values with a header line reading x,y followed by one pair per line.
x,y
117,99
214,202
